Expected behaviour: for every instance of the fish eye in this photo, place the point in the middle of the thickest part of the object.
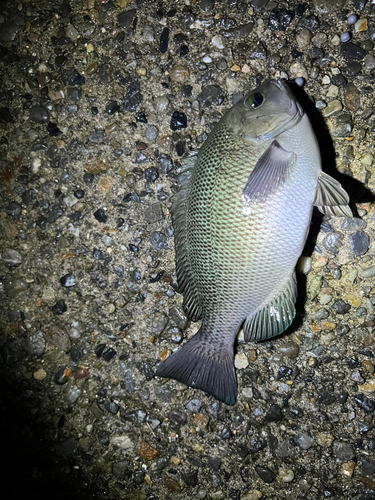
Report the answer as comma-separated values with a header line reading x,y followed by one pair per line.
x,y
254,100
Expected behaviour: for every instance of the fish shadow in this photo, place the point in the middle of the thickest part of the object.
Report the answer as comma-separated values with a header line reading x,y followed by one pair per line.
x,y
356,190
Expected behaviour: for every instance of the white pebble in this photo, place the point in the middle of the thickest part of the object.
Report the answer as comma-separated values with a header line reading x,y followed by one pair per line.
x,y
241,361
300,81
207,59
217,41
345,37
304,265
352,19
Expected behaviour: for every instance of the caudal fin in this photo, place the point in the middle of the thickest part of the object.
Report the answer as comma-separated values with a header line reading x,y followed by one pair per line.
x,y
202,367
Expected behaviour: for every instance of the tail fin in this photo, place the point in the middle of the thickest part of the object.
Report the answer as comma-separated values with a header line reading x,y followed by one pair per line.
x,y
205,367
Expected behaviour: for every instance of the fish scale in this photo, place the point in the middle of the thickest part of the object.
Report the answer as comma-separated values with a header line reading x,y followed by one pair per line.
x,y
241,219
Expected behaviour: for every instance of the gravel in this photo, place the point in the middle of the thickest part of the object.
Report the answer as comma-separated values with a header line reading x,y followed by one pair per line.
x,y
100,103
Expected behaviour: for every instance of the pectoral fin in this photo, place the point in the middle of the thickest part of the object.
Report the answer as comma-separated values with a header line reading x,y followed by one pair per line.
x,y
275,317
270,172
331,198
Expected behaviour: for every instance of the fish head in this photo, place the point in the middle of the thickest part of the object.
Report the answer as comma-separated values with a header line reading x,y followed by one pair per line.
x,y
265,112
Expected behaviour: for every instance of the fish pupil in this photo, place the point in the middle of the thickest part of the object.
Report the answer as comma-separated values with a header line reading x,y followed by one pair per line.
x,y
258,99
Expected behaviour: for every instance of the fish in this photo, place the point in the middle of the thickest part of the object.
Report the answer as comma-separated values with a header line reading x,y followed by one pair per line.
x,y
241,219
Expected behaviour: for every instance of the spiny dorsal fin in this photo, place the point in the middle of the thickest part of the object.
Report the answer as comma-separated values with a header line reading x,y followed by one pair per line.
x,y
275,317
270,172
331,198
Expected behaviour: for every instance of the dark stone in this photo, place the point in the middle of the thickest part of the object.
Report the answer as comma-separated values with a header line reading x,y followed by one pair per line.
x,y
6,56
214,463
178,416
367,467
28,196
333,242
133,97
184,50
309,22
186,90
280,19
41,222
112,108
55,213
359,242
59,308
13,209
352,68
352,52
237,32
274,414
180,148
71,77
159,241
341,307
359,4
109,354
103,437
38,114
5,116
88,179
60,377
151,174
363,402
148,371
79,194
53,129
99,349
100,215
68,280
191,478
284,372
112,407
339,80
234,494
226,433
265,473
326,398
164,40
60,61
126,18
208,95
178,121
166,163
257,445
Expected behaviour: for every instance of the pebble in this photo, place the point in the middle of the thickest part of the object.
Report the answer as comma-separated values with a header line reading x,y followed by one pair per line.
x,y
347,468
332,108
100,215
147,452
11,258
352,52
194,405
289,349
59,308
333,242
178,121
343,451
359,243
38,114
280,19
151,133
40,374
303,39
218,42
35,344
241,361
67,280
341,307
209,94
161,104
364,403
304,441
265,473
360,25
345,37
164,41
179,73
352,19
324,439
286,475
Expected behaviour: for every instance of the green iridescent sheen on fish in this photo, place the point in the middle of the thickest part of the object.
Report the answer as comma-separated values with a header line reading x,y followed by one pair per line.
x,y
240,221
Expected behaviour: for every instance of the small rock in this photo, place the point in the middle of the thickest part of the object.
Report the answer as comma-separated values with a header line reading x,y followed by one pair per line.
x,y
241,361
59,308
352,52
289,349
178,120
359,242
179,73
343,451
57,336
147,452
11,258
194,405
280,19
304,441
35,344
286,475
67,280
265,473
159,241
341,307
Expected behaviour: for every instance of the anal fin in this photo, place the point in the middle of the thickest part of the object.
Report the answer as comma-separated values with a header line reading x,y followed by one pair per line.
x,y
331,198
275,317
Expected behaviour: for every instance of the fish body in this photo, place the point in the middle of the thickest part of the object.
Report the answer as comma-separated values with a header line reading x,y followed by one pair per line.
x,y
240,221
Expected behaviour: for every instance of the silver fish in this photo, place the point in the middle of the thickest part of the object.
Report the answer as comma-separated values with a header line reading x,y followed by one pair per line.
x,y
241,219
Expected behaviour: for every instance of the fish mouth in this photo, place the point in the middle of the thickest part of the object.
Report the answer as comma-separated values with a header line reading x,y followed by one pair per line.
x,y
295,113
